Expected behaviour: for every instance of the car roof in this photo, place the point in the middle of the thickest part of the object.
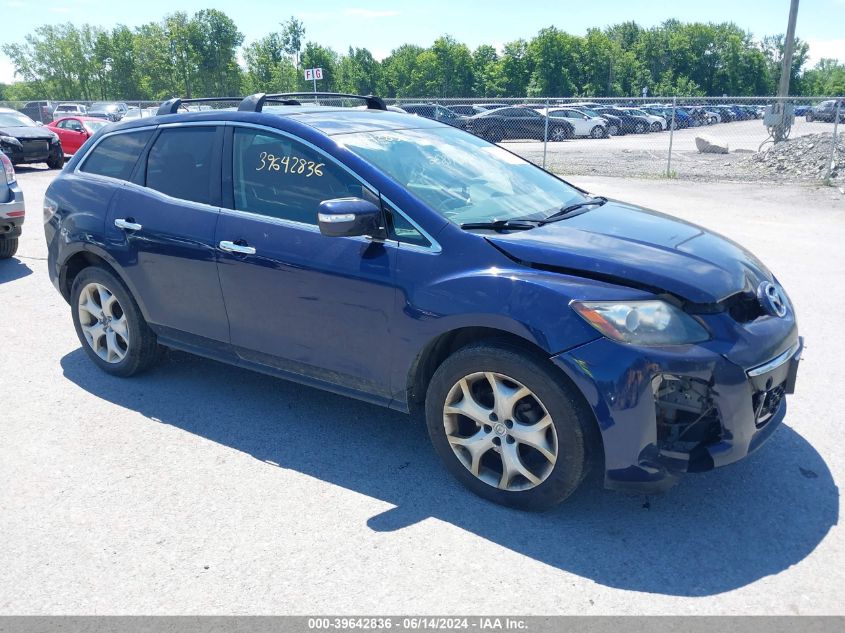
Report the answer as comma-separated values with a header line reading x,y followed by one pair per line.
x,y
80,117
326,119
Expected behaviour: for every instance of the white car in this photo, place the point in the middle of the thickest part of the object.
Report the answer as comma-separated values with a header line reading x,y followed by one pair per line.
x,y
582,123
656,123
70,109
139,113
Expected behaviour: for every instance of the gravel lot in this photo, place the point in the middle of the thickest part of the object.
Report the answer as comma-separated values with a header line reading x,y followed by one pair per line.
x,y
201,488
645,155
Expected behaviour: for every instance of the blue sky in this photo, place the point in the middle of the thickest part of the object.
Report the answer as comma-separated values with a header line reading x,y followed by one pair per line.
x,y
383,25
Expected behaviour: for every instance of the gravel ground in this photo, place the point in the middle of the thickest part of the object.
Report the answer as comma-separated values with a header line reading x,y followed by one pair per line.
x,y
201,488
645,155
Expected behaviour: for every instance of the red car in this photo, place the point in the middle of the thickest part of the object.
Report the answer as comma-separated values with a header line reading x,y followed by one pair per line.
x,y
75,130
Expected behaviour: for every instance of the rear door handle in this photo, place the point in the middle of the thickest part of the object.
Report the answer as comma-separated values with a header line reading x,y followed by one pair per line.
x,y
231,247
127,225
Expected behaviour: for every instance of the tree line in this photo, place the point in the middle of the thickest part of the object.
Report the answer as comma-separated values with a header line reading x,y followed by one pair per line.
x,y
198,55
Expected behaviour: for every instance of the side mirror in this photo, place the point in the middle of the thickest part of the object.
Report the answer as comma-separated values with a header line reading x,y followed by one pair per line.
x,y
348,217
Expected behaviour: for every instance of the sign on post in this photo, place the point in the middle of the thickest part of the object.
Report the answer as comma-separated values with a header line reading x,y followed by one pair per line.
x,y
313,74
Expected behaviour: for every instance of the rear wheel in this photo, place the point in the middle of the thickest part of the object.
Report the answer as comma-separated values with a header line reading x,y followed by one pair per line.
x,y
613,130
8,248
656,127
809,117
109,324
640,128
508,426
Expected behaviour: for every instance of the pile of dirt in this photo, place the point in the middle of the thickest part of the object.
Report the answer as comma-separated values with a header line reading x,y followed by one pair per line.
x,y
802,158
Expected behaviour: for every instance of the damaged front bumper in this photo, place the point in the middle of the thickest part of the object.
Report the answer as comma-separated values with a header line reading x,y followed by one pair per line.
x,y
664,412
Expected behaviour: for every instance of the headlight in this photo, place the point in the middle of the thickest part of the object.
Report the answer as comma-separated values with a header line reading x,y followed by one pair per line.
x,y
652,322
10,140
54,139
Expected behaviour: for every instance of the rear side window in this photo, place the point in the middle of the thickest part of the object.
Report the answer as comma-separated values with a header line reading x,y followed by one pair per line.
x,y
282,178
116,155
180,163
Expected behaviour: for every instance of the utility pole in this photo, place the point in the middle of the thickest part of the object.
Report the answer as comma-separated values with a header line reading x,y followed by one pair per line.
x,y
781,129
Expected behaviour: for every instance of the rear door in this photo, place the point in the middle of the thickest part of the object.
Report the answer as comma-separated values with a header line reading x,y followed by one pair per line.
x,y
298,301
161,230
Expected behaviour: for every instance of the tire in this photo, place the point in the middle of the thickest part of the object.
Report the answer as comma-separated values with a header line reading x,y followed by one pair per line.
x,y
613,130
598,132
132,347
8,248
640,128
549,395
56,160
809,117
656,127
558,133
494,135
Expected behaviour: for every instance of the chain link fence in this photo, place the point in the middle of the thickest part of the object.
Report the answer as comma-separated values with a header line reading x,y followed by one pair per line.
x,y
695,138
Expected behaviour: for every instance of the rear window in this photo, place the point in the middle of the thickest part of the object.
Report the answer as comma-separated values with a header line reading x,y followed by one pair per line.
x,y
116,155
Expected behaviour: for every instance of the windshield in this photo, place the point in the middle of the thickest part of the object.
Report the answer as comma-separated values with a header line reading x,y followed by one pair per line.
x,y
462,177
636,112
93,126
13,119
102,106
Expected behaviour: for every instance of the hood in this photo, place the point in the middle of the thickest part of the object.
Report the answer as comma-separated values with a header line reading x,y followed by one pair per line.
x,y
38,133
628,245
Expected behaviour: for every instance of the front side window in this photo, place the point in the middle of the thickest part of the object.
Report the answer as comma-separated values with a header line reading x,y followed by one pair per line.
x,y
461,176
180,163
280,177
115,156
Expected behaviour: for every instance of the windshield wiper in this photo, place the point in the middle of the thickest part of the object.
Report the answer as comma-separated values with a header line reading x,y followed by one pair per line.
x,y
502,225
565,211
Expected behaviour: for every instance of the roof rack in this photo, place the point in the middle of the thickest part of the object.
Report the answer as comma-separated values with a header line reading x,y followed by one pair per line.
x,y
255,103
171,106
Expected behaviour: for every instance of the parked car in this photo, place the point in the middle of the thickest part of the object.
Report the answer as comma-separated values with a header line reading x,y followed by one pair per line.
x,y
110,110
614,124
802,110
466,109
69,109
541,330
436,113
74,131
12,210
826,111
504,124
40,111
657,123
24,141
138,113
630,124
582,123
727,114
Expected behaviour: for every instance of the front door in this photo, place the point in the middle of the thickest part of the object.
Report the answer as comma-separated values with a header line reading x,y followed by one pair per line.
x,y
298,301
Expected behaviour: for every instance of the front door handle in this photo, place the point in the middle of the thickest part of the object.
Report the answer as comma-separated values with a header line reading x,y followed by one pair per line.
x,y
231,247
128,225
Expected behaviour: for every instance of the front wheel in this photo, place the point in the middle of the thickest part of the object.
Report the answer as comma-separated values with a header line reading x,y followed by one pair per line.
x,y
640,128
809,117
598,132
508,426
56,160
8,247
656,127
109,324
613,130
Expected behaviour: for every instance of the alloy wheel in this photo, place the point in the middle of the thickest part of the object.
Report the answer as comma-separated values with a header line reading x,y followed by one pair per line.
x,y
103,323
500,431
558,134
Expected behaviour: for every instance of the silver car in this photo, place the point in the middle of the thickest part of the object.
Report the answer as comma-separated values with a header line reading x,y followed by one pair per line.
x,y
12,210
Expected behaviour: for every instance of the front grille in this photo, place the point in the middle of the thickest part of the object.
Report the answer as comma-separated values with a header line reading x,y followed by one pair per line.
x,y
744,307
766,404
35,147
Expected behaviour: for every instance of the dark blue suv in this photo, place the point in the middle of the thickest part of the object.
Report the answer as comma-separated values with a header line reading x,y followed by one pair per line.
x,y
543,331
